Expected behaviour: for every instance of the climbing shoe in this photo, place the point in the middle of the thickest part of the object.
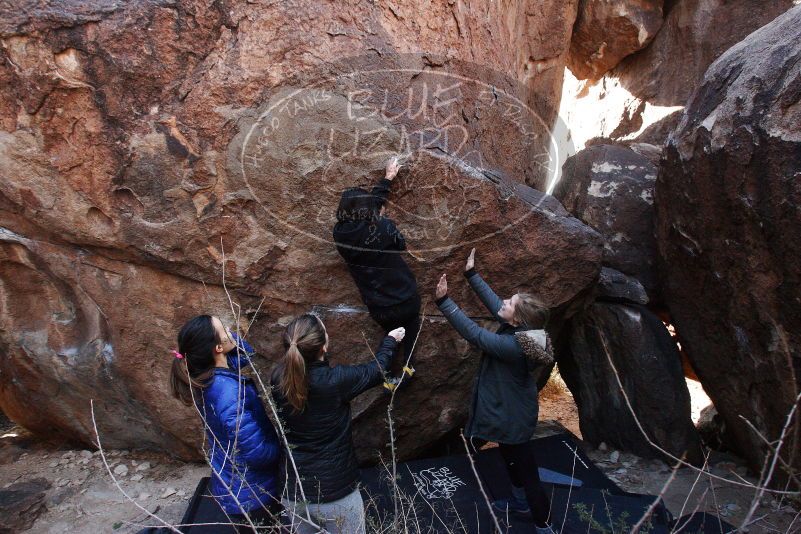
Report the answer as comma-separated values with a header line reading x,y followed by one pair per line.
x,y
512,507
393,382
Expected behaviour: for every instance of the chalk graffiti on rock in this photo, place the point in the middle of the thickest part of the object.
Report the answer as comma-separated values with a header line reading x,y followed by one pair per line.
x,y
453,129
437,483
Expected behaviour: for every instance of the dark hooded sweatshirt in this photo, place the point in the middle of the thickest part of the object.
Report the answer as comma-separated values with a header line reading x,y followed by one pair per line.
x,y
373,250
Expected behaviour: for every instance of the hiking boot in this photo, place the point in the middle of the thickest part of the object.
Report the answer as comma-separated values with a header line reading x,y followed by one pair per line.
x,y
390,384
512,507
548,529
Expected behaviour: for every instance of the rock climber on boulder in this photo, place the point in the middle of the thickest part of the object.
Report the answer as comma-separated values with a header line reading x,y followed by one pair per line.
x,y
372,246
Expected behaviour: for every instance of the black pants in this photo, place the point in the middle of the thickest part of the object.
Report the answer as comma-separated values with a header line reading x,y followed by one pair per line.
x,y
523,471
261,517
407,315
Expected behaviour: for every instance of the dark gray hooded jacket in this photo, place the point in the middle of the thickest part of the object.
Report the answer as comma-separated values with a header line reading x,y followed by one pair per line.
x,y
504,407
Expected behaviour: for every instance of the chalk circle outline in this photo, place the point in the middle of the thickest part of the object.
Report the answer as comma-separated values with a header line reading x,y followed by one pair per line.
x,y
553,175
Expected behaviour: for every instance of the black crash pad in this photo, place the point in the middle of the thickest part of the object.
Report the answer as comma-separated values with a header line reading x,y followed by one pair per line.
x,y
442,495
446,496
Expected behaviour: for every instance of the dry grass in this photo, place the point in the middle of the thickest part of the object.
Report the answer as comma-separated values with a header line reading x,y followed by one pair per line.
x,y
556,387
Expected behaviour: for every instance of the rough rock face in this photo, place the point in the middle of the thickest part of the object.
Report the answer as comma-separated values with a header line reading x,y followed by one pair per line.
x,y
712,428
606,32
21,503
643,95
610,188
648,364
728,219
617,287
79,327
150,149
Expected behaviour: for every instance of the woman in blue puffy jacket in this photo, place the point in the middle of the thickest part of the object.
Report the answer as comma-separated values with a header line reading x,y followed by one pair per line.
x,y
242,446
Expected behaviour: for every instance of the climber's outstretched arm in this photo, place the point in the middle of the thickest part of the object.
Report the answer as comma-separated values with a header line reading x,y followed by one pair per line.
x,y
491,300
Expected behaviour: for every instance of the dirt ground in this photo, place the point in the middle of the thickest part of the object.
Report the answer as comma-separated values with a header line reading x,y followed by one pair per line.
x,y
688,492
83,497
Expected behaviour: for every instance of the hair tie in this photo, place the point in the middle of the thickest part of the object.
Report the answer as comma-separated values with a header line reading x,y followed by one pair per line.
x,y
177,354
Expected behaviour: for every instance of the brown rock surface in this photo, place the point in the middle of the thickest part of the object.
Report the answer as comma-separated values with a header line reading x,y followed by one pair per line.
x,y
728,219
640,98
80,327
139,142
606,32
610,188
648,366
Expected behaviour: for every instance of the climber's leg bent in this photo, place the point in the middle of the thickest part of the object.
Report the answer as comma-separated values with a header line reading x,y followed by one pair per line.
x,y
407,315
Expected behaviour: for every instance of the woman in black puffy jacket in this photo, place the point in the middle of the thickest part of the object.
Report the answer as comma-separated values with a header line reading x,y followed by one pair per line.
x,y
314,402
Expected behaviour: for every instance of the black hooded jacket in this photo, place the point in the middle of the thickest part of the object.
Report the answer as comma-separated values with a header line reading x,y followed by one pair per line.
x,y
373,250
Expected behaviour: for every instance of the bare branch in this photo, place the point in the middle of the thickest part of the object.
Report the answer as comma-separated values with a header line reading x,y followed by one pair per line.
x,y
656,502
114,479
480,485
657,447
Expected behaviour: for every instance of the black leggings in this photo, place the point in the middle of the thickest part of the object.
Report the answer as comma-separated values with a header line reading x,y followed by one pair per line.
x,y
522,469
407,315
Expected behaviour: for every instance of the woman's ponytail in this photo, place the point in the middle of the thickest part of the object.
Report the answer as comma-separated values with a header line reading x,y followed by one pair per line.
x,y
304,339
293,381
193,362
179,380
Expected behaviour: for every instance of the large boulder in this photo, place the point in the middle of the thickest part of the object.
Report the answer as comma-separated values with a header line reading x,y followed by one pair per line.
x,y
83,331
610,187
21,503
614,286
152,151
729,232
642,97
614,344
606,32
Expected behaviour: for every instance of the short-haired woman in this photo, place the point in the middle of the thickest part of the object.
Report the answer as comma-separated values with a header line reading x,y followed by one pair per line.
x,y
373,247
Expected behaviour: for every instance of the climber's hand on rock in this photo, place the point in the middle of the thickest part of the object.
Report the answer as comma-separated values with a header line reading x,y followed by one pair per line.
x,y
442,287
398,334
471,260
393,166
